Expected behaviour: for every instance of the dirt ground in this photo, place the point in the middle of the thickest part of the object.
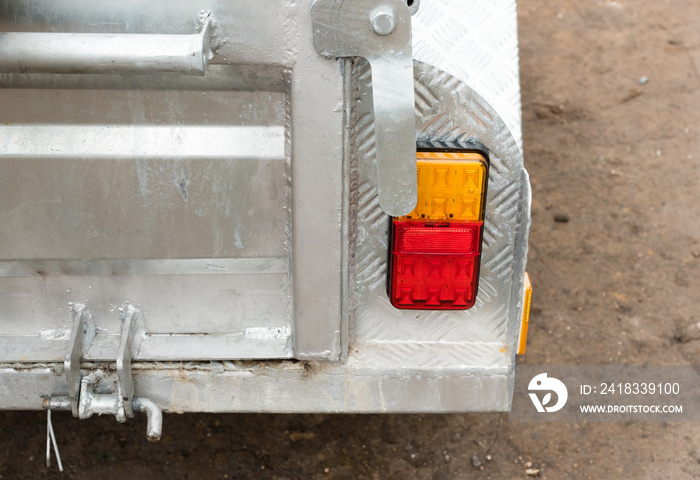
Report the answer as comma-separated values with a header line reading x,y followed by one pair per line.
x,y
614,259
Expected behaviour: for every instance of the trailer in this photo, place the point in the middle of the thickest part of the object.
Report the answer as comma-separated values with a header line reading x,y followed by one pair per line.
x,y
260,206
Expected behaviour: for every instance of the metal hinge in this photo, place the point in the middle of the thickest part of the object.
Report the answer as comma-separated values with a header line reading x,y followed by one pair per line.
x,y
82,399
380,32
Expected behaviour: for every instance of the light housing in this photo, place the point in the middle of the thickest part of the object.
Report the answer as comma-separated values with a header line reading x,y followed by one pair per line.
x,y
436,249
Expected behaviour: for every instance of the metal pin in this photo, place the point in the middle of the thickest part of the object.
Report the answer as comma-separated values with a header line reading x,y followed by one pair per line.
x,y
48,439
51,438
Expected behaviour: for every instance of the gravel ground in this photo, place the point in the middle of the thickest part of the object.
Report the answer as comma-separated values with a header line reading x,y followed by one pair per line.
x,y
611,108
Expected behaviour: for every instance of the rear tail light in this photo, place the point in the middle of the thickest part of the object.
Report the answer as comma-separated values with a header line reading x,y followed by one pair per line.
x,y
436,249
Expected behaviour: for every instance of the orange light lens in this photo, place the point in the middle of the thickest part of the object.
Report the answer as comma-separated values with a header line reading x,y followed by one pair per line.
x,y
450,187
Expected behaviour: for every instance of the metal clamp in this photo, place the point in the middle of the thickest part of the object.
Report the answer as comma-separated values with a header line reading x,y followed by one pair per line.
x,y
82,400
381,33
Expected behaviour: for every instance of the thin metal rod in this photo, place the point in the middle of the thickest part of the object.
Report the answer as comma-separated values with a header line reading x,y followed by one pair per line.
x,y
48,438
53,440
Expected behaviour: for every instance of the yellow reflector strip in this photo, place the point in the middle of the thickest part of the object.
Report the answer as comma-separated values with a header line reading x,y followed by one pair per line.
x,y
450,187
526,314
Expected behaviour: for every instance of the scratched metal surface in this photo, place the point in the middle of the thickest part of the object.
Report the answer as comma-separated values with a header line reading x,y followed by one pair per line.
x,y
174,192
395,361
485,335
275,386
476,41
160,198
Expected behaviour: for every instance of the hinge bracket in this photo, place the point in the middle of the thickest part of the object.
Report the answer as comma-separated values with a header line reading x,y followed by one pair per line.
x,y
379,31
82,399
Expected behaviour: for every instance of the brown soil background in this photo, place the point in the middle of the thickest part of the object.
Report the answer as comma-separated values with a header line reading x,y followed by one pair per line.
x,y
616,284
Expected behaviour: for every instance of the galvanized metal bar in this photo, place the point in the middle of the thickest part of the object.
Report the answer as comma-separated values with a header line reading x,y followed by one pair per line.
x,y
125,384
317,110
253,32
346,232
288,387
395,131
381,33
71,364
73,53
251,343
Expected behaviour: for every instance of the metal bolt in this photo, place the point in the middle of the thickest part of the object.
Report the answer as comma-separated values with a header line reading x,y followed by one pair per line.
x,y
383,20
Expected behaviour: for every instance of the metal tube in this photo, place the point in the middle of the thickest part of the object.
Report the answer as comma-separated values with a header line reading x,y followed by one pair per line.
x,y
25,52
56,403
101,404
154,428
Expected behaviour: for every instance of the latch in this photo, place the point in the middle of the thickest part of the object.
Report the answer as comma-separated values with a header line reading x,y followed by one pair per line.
x,y
380,32
83,399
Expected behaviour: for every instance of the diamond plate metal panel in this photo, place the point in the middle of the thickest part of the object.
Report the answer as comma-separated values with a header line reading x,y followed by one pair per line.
x,y
427,356
484,336
476,41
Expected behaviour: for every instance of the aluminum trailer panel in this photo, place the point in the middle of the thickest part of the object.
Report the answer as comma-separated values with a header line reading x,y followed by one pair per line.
x,y
239,214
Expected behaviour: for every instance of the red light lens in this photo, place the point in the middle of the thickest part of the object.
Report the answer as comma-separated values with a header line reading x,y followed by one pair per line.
x,y
425,279
434,281
444,238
